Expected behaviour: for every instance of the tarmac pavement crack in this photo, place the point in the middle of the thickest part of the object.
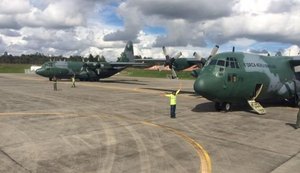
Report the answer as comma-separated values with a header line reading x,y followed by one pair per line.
x,y
15,161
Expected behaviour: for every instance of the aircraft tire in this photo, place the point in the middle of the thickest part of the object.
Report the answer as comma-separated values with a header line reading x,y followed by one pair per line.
x,y
50,78
226,106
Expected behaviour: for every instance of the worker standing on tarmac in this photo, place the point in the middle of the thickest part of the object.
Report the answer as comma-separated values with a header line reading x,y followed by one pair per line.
x,y
55,83
172,97
297,125
73,81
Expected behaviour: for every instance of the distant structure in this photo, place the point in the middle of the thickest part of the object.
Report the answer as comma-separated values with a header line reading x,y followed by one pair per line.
x,y
32,69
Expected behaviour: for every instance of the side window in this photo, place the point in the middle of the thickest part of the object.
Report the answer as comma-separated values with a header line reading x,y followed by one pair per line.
x,y
221,63
232,78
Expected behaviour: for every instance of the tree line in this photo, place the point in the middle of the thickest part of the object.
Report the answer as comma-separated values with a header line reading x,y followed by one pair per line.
x,y
39,58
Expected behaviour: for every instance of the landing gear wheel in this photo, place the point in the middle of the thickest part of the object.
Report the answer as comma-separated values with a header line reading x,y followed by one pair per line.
x,y
226,106
50,78
218,106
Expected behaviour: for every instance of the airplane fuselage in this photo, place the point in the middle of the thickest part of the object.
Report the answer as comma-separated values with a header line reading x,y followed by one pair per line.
x,y
67,69
237,77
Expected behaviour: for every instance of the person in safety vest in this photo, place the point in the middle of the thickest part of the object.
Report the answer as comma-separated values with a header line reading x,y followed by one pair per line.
x,y
172,97
73,81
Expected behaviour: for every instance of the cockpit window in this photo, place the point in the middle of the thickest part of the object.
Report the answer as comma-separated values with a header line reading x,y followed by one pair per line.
x,y
232,62
221,62
213,62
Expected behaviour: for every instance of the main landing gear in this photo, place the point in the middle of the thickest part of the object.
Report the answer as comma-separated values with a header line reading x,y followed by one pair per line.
x,y
225,106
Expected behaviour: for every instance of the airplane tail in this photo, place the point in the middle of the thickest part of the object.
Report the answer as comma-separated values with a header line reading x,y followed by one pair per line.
x,y
128,54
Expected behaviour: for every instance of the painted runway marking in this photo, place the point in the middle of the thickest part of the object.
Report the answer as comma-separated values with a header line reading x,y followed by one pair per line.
x,y
205,161
204,158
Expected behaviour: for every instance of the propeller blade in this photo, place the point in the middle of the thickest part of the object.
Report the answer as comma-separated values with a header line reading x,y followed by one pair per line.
x,y
177,55
167,62
164,51
196,55
214,50
174,75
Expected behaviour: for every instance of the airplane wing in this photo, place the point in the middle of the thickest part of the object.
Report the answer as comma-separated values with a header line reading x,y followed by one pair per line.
x,y
127,64
150,60
191,60
295,61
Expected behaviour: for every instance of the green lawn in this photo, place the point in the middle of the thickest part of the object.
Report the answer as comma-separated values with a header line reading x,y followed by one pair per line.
x,y
13,68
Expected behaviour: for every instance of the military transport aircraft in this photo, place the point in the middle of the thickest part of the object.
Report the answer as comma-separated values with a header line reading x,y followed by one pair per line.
x,y
177,64
235,77
88,71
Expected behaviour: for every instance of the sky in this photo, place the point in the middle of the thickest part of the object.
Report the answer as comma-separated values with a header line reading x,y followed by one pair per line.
x,y
80,27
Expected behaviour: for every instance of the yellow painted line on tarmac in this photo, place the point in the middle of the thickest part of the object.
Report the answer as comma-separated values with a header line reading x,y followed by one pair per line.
x,y
205,160
203,155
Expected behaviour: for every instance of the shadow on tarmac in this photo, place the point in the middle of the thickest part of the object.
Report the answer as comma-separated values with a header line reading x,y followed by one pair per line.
x,y
210,106
170,90
135,82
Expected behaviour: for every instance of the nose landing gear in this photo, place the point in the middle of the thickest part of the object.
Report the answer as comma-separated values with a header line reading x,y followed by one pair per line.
x,y
225,106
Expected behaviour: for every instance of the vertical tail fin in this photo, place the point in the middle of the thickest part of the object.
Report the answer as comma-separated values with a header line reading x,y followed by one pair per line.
x,y
128,54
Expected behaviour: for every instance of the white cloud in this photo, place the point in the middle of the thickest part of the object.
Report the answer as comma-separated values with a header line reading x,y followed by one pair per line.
x,y
293,50
14,6
72,26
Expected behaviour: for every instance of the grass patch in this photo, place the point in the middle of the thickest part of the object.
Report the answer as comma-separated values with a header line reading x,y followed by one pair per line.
x,y
13,68
134,72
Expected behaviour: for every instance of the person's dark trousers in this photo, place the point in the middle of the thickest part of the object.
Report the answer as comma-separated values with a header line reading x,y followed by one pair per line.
x,y
172,111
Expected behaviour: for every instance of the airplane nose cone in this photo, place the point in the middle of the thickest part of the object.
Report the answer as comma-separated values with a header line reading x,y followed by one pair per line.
x,y
38,71
199,86
206,87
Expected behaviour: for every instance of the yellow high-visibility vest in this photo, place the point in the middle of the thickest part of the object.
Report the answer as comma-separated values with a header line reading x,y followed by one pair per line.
x,y
172,97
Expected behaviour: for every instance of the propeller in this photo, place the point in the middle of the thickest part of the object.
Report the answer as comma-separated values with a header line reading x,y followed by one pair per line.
x,y
203,60
212,53
170,61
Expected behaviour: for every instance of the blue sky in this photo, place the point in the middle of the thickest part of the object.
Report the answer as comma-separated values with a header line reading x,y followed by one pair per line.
x,y
68,27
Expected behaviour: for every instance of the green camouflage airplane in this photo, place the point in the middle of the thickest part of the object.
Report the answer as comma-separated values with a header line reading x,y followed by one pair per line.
x,y
88,71
177,64
235,77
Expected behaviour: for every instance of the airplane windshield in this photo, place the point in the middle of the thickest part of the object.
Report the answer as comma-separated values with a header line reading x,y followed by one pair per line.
x,y
213,62
221,62
217,62
232,62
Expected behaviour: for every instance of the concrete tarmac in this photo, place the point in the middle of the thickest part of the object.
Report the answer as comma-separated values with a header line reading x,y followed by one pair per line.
x,y
122,124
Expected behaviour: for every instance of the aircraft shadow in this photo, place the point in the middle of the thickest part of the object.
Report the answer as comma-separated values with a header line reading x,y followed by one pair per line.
x,y
210,106
170,90
135,82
